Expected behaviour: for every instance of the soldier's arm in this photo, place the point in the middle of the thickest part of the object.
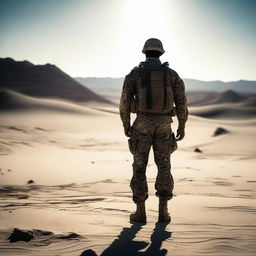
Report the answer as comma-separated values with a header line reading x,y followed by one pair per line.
x,y
125,100
180,100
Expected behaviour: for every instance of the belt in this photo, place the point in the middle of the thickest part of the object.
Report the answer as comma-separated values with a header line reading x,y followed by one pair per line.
x,y
153,114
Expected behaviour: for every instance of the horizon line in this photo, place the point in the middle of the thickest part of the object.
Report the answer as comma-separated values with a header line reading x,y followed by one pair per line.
x,y
120,77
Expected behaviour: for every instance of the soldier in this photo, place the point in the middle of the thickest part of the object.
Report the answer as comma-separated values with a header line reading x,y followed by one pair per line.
x,y
150,90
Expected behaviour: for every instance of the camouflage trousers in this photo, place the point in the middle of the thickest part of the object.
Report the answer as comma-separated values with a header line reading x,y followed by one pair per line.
x,y
152,131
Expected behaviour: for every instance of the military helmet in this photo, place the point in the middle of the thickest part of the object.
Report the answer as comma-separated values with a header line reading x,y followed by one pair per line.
x,y
153,44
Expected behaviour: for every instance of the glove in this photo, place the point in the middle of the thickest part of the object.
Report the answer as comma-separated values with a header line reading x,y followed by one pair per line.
x,y
127,131
180,133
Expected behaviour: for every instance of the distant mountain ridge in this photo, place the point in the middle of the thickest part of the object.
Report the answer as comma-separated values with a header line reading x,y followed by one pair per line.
x,y
46,81
104,85
244,86
113,86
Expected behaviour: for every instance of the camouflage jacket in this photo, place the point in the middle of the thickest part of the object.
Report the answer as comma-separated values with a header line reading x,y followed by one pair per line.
x,y
130,88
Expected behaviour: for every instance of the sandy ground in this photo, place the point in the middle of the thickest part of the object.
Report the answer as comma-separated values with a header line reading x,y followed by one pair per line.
x,y
81,168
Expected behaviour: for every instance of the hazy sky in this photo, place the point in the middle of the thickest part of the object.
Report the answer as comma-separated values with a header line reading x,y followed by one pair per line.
x,y
203,39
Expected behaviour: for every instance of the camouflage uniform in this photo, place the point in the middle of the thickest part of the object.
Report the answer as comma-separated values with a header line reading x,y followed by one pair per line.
x,y
152,130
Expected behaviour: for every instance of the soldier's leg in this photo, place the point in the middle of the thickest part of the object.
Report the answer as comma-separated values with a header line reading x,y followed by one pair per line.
x,y
164,180
161,146
141,141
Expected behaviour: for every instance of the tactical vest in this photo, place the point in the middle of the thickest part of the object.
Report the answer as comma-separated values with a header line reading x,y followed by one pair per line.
x,y
155,94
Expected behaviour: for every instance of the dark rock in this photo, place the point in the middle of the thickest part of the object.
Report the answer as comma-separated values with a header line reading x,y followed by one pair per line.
x,y
23,197
27,235
69,236
198,150
88,253
220,131
40,129
20,235
42,232
30,182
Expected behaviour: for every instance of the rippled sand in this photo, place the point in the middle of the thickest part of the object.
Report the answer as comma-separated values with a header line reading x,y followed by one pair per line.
x,y
81,170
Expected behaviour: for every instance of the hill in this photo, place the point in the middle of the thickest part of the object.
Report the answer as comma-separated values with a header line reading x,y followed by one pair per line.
x,y
46,81
224,111
208,98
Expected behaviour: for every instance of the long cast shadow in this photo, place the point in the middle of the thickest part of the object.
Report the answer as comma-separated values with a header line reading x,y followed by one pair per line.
x,y
125,246
158,236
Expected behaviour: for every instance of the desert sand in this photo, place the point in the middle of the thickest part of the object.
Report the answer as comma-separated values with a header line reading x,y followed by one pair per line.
x,y
79,167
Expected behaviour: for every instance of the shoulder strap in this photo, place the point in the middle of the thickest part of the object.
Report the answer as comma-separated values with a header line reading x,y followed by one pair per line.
x,y
134,68
141,63
165,84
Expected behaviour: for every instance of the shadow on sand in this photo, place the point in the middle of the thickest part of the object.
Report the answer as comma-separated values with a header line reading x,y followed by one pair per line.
x,y
124,244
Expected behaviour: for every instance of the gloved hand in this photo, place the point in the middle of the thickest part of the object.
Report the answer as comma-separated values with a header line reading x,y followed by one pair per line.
x,y
127,130
180,133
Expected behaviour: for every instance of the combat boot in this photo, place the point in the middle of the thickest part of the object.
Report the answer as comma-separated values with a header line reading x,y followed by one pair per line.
x,y
140,214
163,215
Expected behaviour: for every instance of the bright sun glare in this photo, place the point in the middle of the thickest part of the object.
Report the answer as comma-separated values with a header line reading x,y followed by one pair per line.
x,y
139,20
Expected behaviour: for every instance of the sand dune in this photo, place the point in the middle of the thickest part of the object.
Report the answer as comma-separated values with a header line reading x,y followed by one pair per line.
x,y
250,102
80,165
14,101
226,105
197,98
225,111
244,109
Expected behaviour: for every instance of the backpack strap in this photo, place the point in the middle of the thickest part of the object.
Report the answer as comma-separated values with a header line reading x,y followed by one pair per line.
x,y
147,77
165,64
142,74
146,81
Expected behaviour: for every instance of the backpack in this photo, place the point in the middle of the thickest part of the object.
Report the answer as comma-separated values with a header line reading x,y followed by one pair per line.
x,y
155,94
